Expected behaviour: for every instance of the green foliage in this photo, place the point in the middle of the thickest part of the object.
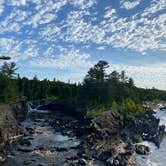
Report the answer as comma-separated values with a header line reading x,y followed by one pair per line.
x,y
8,87
5,58
130,109
92,112
8,69
100,90
114,107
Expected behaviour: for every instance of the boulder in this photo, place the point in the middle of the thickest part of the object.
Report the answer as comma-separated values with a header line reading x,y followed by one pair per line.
x,y
142,149
82,162
108,123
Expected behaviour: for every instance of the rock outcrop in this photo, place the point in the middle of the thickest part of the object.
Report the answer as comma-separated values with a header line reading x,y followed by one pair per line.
x,y
149,129
9,128
20,108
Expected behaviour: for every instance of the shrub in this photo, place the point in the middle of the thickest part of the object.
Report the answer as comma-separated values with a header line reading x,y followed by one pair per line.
x,y
130,109
94,111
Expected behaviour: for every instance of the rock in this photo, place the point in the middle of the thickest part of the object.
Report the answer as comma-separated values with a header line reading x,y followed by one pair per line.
x,y
82,162
103,156
20,108
41,164
159,137
25,142
110,161
108,123
30,130
142,149
9,128
61,149
25,149
2,159
27,162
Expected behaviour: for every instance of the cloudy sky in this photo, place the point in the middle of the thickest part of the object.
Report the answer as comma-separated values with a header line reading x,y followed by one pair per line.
x,y
63,38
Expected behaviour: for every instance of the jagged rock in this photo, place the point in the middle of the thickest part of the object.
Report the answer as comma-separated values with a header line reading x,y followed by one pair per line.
x,y
108,123
20,108
142,149
159,136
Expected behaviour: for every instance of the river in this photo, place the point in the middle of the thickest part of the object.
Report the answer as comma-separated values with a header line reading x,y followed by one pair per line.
x,y
42,146
157,156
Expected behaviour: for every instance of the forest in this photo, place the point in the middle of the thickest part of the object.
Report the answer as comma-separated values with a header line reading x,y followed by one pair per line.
x,y
100,91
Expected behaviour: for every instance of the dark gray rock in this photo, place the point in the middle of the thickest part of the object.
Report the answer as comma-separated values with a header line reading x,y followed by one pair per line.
x,y
142,149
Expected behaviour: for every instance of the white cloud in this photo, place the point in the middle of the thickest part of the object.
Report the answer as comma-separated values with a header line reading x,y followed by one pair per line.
x,y
130,5
1,6
68,59
155,6
45,12
17,2
18,50
146,76
82,4
139,32
50,32
101,48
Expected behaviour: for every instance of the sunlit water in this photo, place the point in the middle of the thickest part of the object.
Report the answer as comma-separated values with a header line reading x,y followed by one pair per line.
x,y
157,156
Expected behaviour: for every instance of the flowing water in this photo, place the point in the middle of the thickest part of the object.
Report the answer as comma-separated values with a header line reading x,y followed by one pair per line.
x,y
46,147
157,156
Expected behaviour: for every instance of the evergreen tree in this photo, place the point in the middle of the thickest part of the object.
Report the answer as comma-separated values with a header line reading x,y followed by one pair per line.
x,y
8,69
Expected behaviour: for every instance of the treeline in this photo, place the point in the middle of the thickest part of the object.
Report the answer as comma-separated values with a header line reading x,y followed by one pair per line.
x,y
98,89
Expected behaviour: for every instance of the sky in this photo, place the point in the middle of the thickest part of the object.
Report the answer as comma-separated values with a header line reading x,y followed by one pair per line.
x,y
62,39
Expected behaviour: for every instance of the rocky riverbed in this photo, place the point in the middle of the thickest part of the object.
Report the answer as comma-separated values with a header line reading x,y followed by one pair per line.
x,y
56,138
45,143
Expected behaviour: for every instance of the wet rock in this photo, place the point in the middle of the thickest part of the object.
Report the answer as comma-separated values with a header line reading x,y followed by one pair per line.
x,y
2,159
142,149
82,162
159,137
25,142
27,162
30,130
41,164
148,128
103,156
61,149
25,149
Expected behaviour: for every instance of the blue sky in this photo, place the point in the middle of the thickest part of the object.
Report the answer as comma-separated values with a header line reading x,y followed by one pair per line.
x,y
64,38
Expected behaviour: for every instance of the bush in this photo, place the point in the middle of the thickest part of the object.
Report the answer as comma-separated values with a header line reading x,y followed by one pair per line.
x,y
94,111
130,109
114,107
